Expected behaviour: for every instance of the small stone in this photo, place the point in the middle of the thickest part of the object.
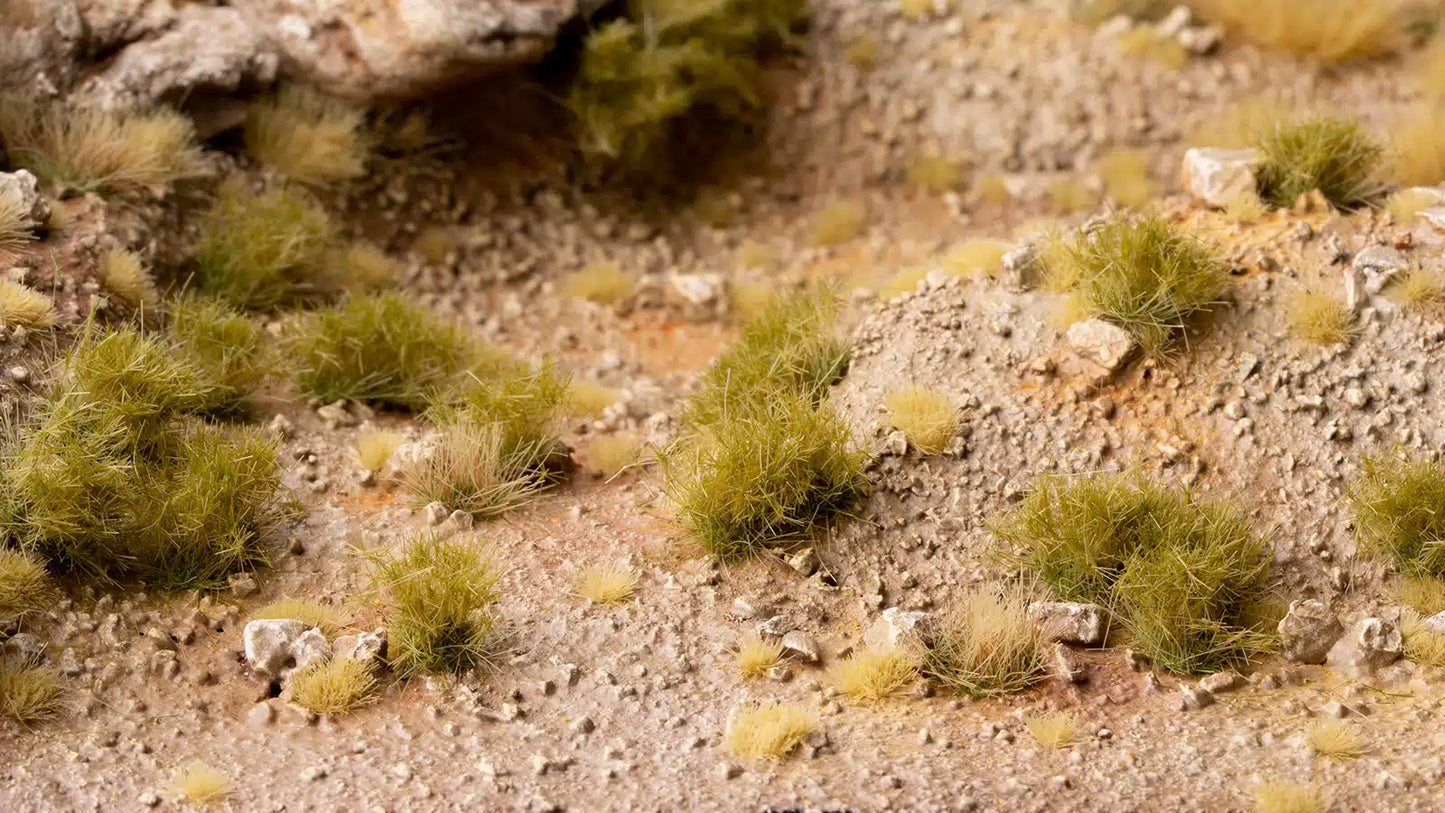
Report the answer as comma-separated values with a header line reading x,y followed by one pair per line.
x,y
1069,622
895,444
261,715
897,626
742,609
21,190
489,769
310,647
243,585
436,513
335,415
148,799
1370,644
727,771
583,725
1064,665
1105,343
369,646
1308,631
402,771
1021,264
1436,623
782,673
804,561
267,644
1335,709
1193,697
313,773
1221,177
801,646
1221,682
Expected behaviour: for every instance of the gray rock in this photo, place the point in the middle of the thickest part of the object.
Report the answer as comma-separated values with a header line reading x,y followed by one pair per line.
x,y
1369,644
370,646
261,715
1435,216
309,648
801,646
898,627
436,513
1436,623
1069,622
1220,177
1221,682
804,561
1308,631
1021,264
1379,264
1193,697
19,190
25,648
1065,665
1102,342
698,290
267,643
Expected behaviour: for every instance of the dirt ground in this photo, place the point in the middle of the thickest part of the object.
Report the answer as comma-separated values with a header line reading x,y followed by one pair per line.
x,y
623,708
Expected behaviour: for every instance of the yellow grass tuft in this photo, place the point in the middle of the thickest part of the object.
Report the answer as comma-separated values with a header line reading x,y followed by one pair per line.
x,y
98,151
1423,646
971,256
748,299
1406,204
331,620
1423,594
28,693
992,190
374,449
839,222
986,647
603,283
1069,195
334,686
902,283
935,173
1320,318
1328,31
873,674
1418,148
1126,177
1239,124
25,585
1246,207
309,138
769,731
435,244
1147,42
25,307
1056,730
1334,738
756,655
202,783
123,274
915,9
14,226
929,418
606,584
363,266
753,254
1420,287
862,51
591,399
1288,797
610,454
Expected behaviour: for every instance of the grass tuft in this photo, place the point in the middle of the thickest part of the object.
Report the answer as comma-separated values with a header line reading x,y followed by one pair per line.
x,y
839,223
591,399
28,693
472,470
1400,512
15,231
992,190
259,251
1057,730
24,306
875,674
1126,177
225,346
902,283
1068,195
770,731
611,454
1180,575
935,173
1334,738
374,449
1423,594
124,275
330,619
1335,156
435,244
202,784
1288,797
986,647
1418,150
362,266
309,138
1319,318
606,584
334,686
757,655
379,348
929,418
25,585
1423,646
1328,31
1421,287
437,596
98,151
972,256
603,283
1143,275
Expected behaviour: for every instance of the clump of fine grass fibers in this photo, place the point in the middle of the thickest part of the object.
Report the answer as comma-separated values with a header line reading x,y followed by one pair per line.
x,y
611,454
973,256
1334,738
1421,287
1328,31
769,731
839,222
987,646
379,348
935,173
307,137
606,584
28,692
1406,204
1400,512
591,399
361,266
115,478
1180,575
902,283
262,250
642,77
1144,275
334,686
603,283
928,418
757,655
1417,149
124,276
1126,177
875,674
15,230
1056,730
1288,797
374,449
1423,594
201,783
1423,646
98,151
24,306
1068,195
992,190
437,596
330,619
225,345
25,585
1336,156
435,244
1319,318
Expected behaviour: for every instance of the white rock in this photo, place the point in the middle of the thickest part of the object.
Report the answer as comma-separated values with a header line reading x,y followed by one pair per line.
x,y
309,648
1021,264
802,646
698,289
436,513
370,646
1102,342
896,627
1069,622
19,188
1435,216
1308,631
1436,623
268,642
1369,644
1379,264
1220,177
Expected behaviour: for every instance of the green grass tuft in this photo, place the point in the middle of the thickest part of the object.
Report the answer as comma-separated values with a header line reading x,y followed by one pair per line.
x,y
1400,512
1335,156
1143,275
1179,575
224,345
437,596
259,251
28,693
25,586
986,647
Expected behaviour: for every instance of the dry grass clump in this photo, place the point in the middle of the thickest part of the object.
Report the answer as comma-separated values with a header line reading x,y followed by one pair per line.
x,y
259,251
1400,512
1328,31
1143,275
14,226
1068,195
330,619
935,173
839,222
379,348
1423,645
470,471
610,454
1149,42
437,596
24,306
902,283
362,266
643,76
1421,287
435,244
1417,148
606,584
25,585
1423,594
122,274
590,399
603,283
757,655
1334,738
334,686
226,346
374,449
769,731
115,478
1406,204
992,190
1319,318
986,647
875,674
929,418
202,783
1336,156
98,151
1126,177
309,138
1288,797
28,692
1056,730
862,50
972,256
1178,574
